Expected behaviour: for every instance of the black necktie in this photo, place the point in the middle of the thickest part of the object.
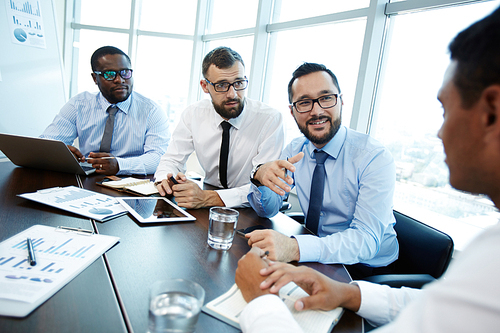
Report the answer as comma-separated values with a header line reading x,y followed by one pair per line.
x,y
108,129
317,188
224,153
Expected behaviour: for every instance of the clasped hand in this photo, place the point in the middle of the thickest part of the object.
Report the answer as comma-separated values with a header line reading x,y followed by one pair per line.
x,y
256,276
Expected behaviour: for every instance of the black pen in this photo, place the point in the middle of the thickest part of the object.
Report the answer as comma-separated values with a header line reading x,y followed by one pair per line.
x,y
265,255
172,179
31,252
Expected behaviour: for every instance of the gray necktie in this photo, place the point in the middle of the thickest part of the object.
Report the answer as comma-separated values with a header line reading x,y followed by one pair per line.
x,y
108,129
317,189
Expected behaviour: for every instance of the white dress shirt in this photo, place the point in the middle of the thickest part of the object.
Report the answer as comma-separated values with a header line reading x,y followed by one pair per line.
x,y
466,299
256,136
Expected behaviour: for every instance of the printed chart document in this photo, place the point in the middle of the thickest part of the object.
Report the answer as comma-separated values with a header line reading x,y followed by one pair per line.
x,y
83,202
229,306
61,254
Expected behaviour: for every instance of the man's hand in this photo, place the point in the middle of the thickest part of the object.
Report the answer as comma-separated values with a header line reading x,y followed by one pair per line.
x,y
247,277
325,293
79,156
165,187
188,194
274,174
280,247
104,163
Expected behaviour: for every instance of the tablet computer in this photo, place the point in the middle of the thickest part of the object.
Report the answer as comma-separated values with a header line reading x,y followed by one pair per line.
x,y
154,210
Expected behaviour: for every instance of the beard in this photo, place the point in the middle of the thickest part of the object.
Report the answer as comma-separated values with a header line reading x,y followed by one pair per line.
x,y
325,138
233,112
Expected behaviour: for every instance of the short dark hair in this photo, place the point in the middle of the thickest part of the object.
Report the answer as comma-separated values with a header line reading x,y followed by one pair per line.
x,y
222,57
105,50
308,68
477,53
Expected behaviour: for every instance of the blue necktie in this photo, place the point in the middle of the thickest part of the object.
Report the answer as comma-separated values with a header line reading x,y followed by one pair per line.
x,y
108,129
317,189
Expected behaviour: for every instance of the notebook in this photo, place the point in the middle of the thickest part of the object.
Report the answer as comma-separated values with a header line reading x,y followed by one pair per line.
x,y
40,153
229,306
129,185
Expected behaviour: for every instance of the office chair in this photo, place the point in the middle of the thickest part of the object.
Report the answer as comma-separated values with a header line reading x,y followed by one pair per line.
x,y
424,254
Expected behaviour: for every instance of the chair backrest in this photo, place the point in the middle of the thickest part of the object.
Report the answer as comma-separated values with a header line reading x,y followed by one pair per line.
x,y
422,249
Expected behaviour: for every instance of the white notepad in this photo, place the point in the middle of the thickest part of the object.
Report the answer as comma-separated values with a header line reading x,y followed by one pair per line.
x,y
229,306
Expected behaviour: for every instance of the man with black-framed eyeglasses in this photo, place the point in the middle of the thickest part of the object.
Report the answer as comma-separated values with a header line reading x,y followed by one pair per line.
x,y
344,180
229,133
119,131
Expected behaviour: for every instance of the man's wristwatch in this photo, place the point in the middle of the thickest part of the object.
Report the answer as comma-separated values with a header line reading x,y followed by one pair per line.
x,y
252,179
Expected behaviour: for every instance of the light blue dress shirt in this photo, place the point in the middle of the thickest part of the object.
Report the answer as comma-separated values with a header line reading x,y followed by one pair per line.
x,y
356,220
140,134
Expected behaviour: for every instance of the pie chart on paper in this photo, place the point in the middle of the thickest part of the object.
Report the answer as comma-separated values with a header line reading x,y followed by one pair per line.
x,y
20,35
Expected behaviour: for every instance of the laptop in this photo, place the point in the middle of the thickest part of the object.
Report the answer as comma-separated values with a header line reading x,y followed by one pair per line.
x,y
41,153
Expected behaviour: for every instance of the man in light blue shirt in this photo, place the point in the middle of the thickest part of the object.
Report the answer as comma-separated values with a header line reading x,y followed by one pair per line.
x,y
139,134
355,223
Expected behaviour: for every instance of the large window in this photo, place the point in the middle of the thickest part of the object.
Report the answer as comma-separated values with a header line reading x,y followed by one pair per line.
x,y
389,57
408,117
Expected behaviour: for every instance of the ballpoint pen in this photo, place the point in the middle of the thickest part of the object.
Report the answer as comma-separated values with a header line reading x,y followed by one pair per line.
x,y
31,252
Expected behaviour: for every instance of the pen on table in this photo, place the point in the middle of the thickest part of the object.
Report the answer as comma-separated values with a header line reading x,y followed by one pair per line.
x,y
31,252
102,158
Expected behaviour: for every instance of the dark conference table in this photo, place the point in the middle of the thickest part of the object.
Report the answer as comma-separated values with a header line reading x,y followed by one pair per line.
x,y
112,294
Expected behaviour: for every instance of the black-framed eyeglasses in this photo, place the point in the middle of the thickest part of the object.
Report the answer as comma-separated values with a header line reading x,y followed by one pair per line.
x,y
325,102
111,75
224,86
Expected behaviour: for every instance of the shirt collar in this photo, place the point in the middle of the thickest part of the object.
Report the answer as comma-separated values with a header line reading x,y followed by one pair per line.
x,y
123,106
333,147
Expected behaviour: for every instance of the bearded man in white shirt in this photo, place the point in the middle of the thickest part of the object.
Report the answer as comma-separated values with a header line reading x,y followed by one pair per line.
x,y
255,136
466,298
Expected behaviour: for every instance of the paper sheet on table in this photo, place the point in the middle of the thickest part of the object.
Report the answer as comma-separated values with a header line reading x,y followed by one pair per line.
x,y
60,256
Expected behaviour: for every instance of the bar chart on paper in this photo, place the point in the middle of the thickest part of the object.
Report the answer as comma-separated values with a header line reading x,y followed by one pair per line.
x,y
60,255
26,22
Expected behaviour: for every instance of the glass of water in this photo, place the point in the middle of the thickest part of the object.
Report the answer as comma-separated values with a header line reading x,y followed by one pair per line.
x,y
174,306
223,222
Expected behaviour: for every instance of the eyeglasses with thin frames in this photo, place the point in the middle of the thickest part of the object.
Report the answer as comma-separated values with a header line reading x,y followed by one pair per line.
x,y
111,75
224,86
325,102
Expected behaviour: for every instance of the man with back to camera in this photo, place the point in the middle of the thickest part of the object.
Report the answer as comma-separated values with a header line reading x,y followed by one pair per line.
x,y
119,131
229,133
466,298
349,208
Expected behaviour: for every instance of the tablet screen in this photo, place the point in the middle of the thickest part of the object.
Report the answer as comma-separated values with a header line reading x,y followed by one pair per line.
x,y
154,209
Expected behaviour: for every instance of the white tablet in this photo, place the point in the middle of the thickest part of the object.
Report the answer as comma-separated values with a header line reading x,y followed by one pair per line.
x,y
155,210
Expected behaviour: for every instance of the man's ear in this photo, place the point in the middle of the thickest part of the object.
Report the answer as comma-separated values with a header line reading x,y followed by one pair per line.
x,y
203,85
490,108
491,105
94,77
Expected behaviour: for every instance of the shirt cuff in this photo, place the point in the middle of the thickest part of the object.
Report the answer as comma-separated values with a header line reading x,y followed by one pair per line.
x,y
268,313
309,247
235,197
374,306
